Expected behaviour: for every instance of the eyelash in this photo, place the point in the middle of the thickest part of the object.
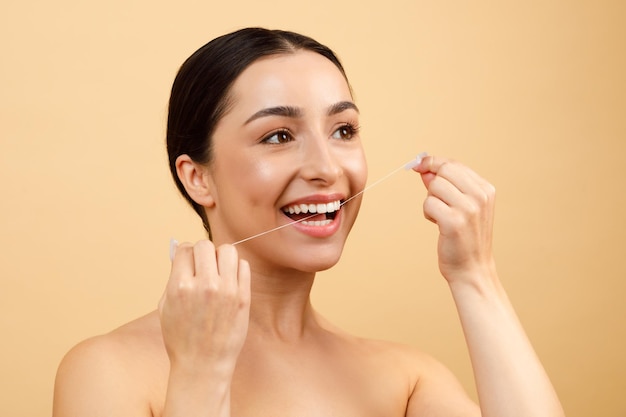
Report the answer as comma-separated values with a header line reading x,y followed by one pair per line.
x,y
278,132
351,128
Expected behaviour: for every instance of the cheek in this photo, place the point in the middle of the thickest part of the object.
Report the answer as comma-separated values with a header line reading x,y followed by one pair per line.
x,y
262,170
266,179
356,169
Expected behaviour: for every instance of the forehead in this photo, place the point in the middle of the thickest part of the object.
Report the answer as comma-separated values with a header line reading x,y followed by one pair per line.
x,y
302,78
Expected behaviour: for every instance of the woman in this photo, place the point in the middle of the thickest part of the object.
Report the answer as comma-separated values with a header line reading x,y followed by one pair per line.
x,y
263,130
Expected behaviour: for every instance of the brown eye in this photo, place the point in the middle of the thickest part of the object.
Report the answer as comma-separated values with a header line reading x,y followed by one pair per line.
x,y
345,132
280,136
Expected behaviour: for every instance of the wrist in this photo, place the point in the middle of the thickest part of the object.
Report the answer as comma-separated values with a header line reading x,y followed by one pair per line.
x,y
202,369
197,392
481,279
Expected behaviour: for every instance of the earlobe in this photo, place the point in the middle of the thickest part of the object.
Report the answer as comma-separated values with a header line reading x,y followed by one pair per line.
x,y
196,180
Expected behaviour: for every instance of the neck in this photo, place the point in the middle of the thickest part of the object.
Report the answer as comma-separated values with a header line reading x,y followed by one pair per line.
x,y
281,305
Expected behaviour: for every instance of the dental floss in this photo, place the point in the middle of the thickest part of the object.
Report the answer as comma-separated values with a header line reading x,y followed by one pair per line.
x,y
409,165
173,246
416,161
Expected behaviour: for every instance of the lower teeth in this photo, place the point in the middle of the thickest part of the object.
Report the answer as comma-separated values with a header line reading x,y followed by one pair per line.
x,y
317,222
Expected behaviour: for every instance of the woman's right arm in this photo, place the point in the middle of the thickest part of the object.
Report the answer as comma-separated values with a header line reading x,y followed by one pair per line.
x,y
204,318
204,315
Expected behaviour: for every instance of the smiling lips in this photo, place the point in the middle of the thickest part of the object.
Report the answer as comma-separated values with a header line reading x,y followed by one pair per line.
x,y
326,212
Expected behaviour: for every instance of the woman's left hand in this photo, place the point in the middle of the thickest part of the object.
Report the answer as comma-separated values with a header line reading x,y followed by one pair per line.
x,y
461,203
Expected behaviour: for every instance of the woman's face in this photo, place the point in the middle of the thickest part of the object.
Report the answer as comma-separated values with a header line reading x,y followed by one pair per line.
x,y
288,141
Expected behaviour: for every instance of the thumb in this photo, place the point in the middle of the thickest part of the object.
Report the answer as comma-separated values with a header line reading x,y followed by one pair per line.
x,y
426,171
173,247
427,178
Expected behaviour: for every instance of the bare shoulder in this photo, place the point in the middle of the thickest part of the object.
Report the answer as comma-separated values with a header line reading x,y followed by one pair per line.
x,y
411,361
433,389
112,374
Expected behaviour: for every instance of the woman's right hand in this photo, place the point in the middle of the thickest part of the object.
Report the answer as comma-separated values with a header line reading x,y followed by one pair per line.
x,y
205,308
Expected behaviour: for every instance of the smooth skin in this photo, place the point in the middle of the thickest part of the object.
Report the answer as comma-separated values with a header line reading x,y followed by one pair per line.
x,y
235,333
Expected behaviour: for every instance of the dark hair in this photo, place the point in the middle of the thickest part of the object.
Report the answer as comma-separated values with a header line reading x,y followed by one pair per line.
x,y
200,93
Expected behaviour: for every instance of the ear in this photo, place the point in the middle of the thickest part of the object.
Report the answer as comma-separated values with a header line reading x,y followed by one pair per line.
x,y
196,180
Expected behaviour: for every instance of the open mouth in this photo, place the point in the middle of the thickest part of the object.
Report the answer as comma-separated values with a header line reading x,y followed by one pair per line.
x,y
316,214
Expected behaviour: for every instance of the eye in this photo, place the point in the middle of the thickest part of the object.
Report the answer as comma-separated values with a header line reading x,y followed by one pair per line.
x,y
278,137
345,132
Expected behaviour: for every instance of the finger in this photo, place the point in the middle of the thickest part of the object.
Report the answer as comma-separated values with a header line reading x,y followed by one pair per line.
x,y
183,262
444,190
427,177
428,168
464,178
182,269
205,260
458,174
429,164
243,277
435,210
476,192
228,262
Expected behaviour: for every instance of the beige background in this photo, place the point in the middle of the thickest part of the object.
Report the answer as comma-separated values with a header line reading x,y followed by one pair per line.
x,y
530,94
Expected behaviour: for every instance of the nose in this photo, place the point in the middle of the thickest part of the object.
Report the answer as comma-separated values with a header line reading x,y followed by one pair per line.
x,y
319,161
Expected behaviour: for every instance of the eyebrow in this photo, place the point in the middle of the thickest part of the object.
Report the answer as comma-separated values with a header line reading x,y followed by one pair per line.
x,y
342,106
284,111
296,112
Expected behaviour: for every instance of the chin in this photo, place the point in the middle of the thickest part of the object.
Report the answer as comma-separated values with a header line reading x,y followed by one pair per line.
x,y
320,260
319,267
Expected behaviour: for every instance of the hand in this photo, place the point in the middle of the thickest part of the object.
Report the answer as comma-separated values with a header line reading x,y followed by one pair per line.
x,y
205,308
462,205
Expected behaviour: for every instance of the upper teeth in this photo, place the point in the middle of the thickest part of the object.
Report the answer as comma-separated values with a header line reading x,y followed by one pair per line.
x,y
313,208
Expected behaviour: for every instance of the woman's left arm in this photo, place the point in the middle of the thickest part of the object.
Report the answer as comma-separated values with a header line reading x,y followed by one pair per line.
x,y
510,379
